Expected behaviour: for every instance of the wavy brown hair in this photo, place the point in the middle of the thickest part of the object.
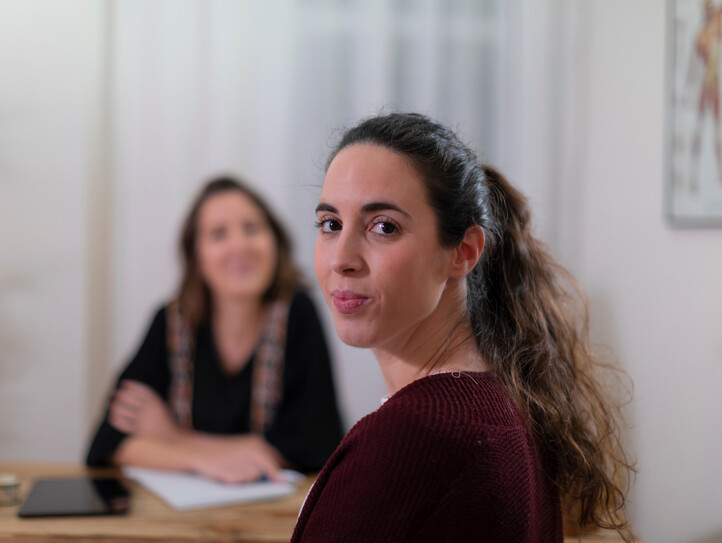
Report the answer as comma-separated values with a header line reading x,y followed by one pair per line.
x,y
194,296
528,315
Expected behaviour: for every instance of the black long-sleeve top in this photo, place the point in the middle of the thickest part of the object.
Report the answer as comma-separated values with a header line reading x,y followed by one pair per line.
x,y
307,425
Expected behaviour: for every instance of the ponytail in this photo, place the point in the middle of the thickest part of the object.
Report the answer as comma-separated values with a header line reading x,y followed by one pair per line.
x,y
530,320
528,315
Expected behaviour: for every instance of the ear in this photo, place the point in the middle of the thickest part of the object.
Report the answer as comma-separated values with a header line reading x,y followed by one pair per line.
x,y
467,253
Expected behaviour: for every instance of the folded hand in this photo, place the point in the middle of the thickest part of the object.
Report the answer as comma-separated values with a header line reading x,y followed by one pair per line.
x,y
137,409
240,459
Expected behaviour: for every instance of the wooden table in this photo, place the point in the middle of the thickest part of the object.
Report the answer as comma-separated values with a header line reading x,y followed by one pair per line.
x,y
150,519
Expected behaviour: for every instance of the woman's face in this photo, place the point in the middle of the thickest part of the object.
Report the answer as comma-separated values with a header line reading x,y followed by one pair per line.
x,y
235,246
378,258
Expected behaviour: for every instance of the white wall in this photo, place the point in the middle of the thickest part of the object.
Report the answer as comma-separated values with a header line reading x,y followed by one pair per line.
x,y
656,292
47,92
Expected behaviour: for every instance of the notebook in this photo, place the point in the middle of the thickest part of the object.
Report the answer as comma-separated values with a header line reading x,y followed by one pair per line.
x,y
185,491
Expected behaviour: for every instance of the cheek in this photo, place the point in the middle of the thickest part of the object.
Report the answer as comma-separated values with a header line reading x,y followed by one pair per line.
x,y
414,279
319,261
269,251
208,259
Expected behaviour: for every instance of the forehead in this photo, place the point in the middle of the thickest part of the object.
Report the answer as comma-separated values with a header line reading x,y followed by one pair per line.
x,y
229,204
364,173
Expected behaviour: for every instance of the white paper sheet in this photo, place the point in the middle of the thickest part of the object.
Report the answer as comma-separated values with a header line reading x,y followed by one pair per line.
x,y
188,491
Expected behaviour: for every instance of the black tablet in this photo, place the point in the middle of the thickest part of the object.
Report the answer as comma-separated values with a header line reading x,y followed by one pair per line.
x,y
75,497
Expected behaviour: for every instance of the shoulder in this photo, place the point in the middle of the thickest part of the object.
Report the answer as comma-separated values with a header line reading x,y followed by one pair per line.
x,y
432,432
149,363
404,450
443,416
163,318
478,398
161,312
160,319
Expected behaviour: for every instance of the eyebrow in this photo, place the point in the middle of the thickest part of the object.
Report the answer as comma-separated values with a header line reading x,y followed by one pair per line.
x,y
367,208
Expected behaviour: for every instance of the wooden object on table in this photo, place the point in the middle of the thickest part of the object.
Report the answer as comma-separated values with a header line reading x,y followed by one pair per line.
x,y
149,518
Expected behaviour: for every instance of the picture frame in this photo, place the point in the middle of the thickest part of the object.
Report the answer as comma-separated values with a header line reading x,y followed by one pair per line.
x,y
693,157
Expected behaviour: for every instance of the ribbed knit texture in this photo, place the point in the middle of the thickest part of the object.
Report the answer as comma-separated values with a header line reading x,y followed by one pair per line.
x,y
445,459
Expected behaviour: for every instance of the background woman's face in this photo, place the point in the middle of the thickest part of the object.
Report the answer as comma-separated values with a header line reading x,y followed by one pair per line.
x,y
236,248
377,257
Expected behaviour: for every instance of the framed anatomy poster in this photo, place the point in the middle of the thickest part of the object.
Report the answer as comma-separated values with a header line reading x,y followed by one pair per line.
x,y
693,191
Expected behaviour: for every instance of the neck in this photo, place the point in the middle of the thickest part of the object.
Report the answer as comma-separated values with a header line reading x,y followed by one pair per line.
x,y
443,341
234,318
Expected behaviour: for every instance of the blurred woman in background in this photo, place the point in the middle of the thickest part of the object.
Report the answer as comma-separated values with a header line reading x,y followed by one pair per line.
x,y
495,411
233,379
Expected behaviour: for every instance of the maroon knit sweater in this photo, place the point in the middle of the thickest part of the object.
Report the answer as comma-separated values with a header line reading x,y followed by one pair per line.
x,y
446,458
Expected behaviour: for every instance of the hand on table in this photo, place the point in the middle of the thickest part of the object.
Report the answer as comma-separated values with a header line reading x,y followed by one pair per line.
x,y
138,410
239,459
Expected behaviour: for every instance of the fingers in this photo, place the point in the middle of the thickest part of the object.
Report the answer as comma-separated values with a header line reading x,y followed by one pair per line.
x,y
126,406
234,466
137,390
127,399
252,469
121,422
261,445
136,408
243,474
123,410
259,452
265,465
133,396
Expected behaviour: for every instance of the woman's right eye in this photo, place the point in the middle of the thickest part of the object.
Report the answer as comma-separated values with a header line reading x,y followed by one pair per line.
x,y
328,226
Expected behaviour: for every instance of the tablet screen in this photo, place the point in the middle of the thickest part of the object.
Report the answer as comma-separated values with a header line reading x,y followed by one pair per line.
x,y
81,496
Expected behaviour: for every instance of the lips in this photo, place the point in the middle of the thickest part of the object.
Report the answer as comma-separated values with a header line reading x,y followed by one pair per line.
x,y
242,267
347,301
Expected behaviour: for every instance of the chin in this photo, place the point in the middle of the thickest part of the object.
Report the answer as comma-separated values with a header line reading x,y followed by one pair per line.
x,y
354,336
250,292
249,287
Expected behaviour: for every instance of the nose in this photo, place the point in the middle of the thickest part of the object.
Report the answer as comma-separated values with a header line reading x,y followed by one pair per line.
x,y
347,257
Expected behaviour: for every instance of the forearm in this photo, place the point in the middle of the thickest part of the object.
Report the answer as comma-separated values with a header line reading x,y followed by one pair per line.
x,y
151,452
231,459
193,438
201,441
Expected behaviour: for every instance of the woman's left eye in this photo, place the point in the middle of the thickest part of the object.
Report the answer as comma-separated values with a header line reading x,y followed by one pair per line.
x,y
385,228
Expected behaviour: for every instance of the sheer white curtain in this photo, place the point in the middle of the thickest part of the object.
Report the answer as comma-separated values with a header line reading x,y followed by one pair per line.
x,y
260,89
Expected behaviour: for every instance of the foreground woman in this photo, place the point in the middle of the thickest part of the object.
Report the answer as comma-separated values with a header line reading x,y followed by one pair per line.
x,y
233,380
494,411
